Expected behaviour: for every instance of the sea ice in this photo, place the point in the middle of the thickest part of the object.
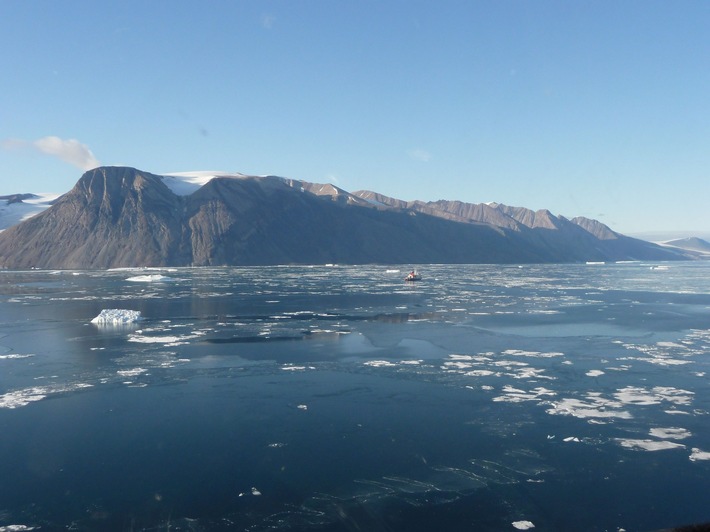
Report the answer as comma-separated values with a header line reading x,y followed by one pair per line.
x,y
153,278
649,445
24,397
379,363
131,372
296,368
523,525
671,433
117,316
595,408
697,454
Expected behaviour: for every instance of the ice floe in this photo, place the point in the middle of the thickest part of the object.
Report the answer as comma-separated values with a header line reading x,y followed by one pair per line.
x,y
697,454
594,407
296,368
594,373
151,278
167,340
26,396
523,525
516,395
642,396
14,356
671,433
117,316
649,445
379,363
131,372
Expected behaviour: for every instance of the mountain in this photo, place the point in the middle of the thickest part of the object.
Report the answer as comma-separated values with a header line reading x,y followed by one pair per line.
x,y
124,217
692,244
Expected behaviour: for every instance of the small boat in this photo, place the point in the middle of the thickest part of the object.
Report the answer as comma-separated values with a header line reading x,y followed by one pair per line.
x,y
413,276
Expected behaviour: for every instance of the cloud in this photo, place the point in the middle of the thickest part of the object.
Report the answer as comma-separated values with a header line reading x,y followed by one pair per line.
x,y
420,155
68,150
267,21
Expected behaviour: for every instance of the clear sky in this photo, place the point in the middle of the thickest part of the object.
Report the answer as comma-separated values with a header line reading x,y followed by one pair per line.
x,y
587,108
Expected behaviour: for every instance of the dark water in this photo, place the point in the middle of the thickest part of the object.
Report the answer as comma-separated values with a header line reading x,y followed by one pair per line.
x,y
336,398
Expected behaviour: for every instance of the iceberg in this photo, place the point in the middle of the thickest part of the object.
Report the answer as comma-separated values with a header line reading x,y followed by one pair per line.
x,y
117,316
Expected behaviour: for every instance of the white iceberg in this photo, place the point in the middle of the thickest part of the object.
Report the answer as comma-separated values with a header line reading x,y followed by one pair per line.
x,y
117,316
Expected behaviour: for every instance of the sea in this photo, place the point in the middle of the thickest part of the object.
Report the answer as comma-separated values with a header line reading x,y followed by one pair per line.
x,y
568,397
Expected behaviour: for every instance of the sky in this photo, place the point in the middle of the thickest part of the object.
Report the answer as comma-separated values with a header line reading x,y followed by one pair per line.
x,y
586,108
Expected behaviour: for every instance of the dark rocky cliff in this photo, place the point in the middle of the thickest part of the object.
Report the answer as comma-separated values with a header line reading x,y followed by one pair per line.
x,y
122,217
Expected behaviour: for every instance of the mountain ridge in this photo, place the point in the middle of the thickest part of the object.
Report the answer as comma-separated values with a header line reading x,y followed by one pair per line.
x,y
122,216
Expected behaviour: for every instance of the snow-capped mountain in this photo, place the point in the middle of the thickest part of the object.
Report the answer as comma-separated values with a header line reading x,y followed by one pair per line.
x,y
16,208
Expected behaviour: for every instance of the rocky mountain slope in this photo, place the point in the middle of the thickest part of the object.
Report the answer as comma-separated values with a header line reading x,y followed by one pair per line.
x,y
123,217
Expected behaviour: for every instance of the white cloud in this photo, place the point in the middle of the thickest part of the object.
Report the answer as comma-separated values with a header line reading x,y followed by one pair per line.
x,y
420,155
68,150
267,21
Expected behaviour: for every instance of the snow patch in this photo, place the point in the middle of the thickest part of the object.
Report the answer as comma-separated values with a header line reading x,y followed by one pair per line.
x,y
185,183
14,213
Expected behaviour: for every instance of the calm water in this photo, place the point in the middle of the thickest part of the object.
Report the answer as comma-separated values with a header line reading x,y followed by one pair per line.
x,y
570,397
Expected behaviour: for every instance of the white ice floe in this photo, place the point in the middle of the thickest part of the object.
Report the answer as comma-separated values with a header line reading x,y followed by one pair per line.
x,y
117,316
168,340
523,525
532,354
571,439
152,278
480,373
24,397
594,373
697,454
15,528
131,372
634,395
379,363
595,407
254,491
670,433
14,356
297,368
302,407
516,395
649,445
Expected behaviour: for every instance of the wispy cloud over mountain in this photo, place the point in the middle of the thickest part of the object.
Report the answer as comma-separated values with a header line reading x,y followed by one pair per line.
x,y
68,150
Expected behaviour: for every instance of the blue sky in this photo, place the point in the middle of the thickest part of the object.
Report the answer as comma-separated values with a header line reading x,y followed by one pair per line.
x,y
586,108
